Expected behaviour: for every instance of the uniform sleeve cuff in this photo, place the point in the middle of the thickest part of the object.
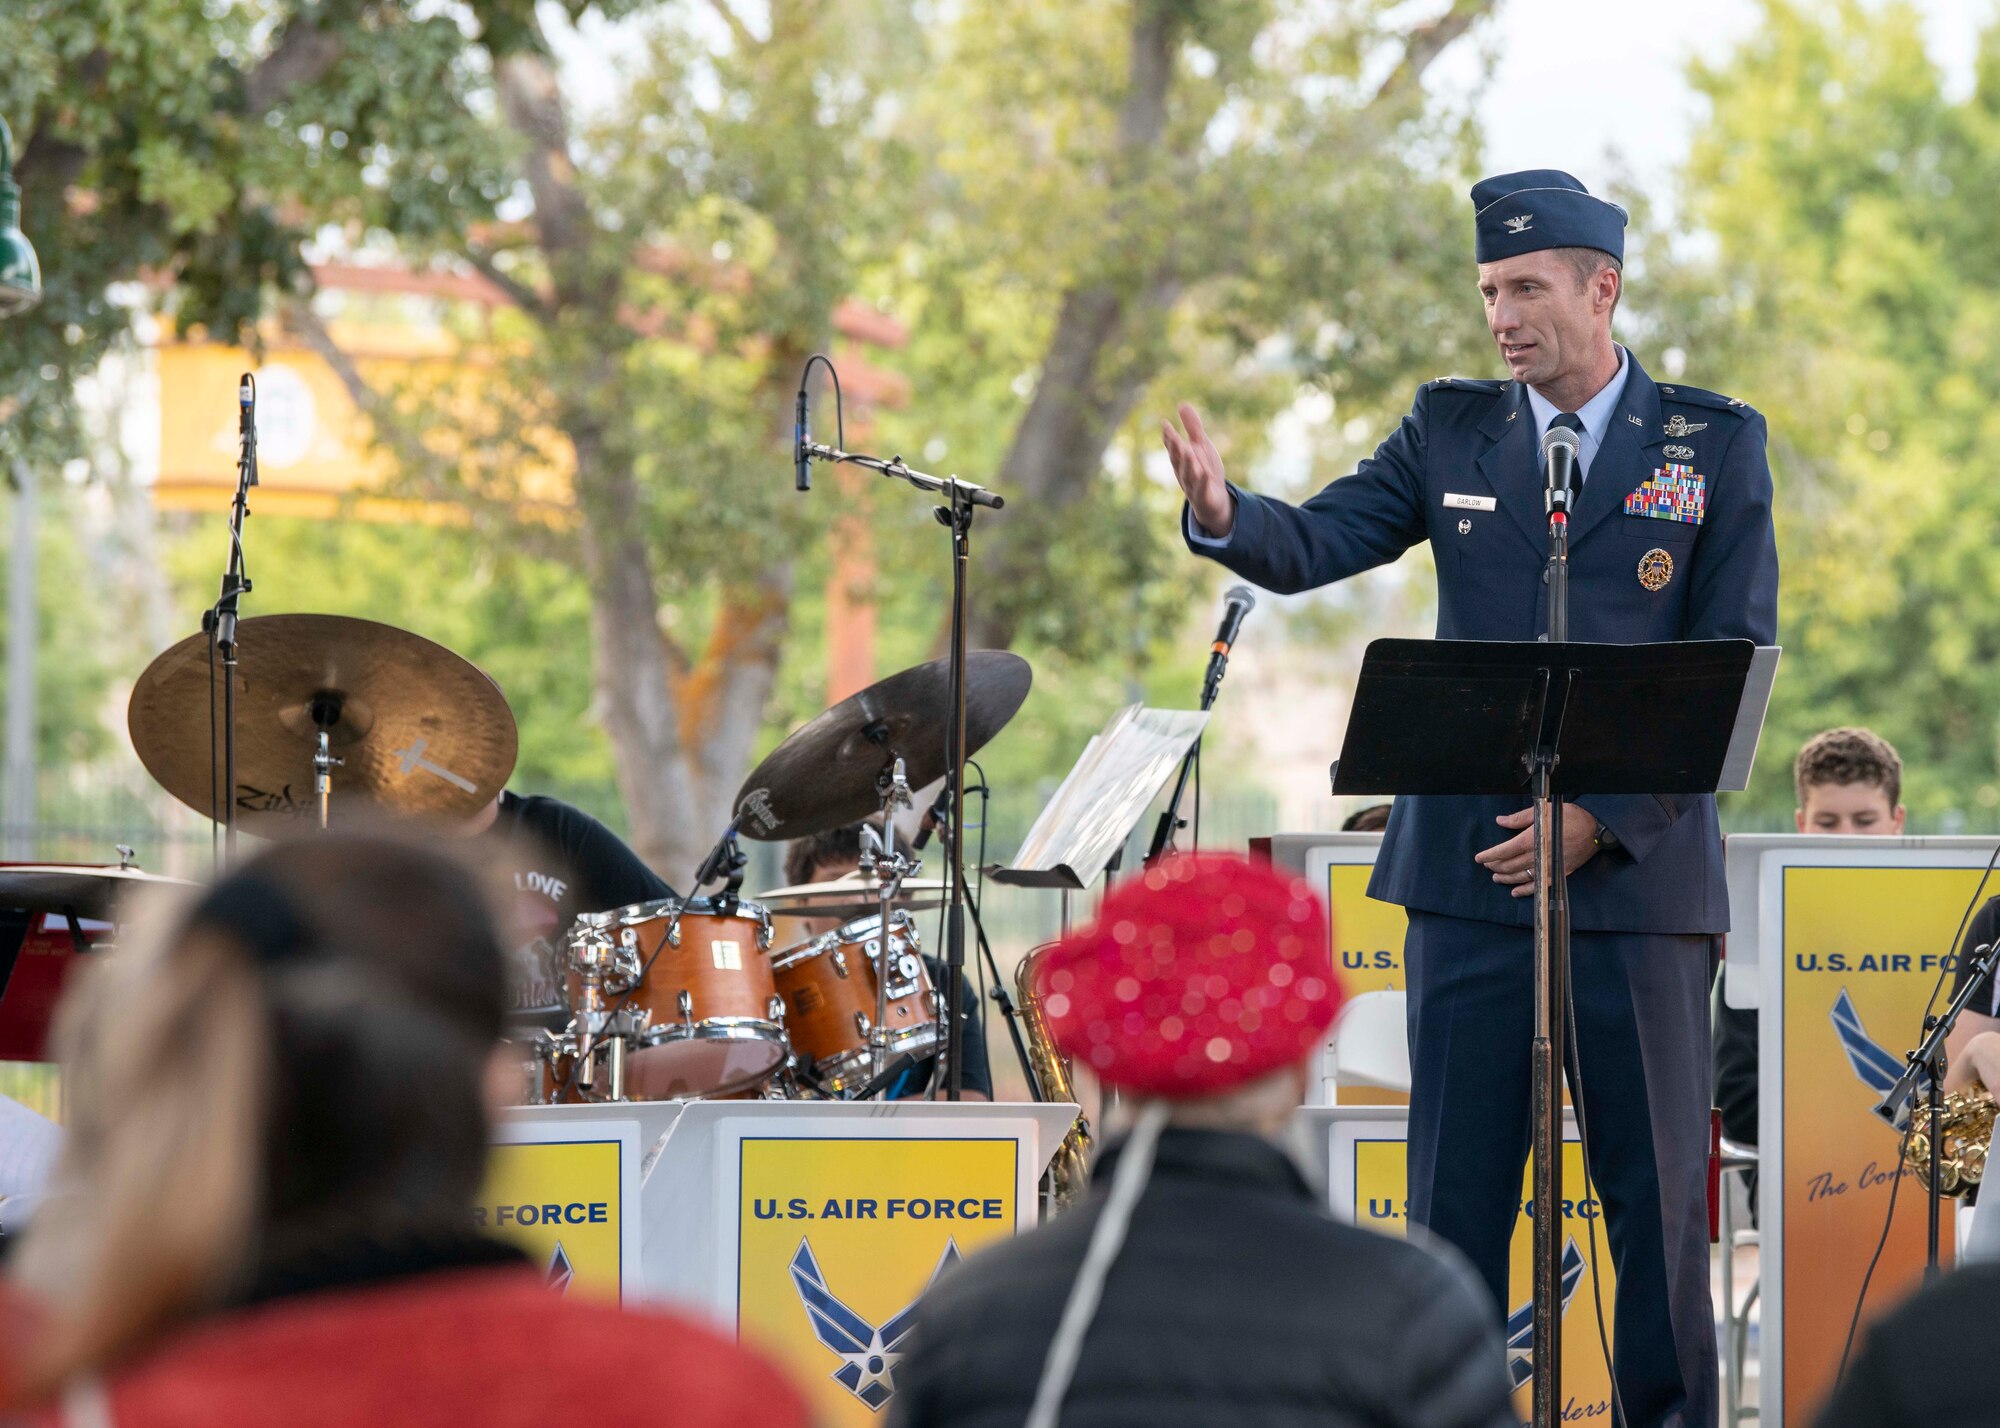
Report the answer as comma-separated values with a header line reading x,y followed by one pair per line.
x,y
1198,535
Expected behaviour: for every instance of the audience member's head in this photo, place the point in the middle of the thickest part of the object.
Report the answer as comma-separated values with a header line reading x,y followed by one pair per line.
x,y
1849,781
295,1064
1372,819
1205,983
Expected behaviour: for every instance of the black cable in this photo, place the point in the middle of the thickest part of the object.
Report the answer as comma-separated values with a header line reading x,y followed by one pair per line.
x,y
1909,1125
214,767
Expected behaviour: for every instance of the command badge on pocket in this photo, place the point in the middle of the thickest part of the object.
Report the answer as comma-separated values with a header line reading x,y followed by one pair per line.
x,y
1656,568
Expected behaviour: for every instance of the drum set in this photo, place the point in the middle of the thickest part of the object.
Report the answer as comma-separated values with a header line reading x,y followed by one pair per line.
x,y
675,999
689,998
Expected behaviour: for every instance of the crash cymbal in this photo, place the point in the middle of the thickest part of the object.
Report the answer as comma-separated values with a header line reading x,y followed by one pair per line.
x,y
850,896
78,888
824,775
419,730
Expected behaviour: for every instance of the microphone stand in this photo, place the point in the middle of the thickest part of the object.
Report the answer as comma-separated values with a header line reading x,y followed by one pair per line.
x,y
1551,975
219,622
1927,1065
961,500
1170,818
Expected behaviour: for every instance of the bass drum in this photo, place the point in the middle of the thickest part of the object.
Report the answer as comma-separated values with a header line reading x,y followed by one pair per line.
x,y
696,973
828,987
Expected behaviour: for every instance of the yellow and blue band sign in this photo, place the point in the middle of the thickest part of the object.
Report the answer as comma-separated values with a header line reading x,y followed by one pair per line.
x,y
838,1237
568,1195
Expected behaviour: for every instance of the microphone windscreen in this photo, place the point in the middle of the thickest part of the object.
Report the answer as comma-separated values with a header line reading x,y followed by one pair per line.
x,y
1561,436
1240,595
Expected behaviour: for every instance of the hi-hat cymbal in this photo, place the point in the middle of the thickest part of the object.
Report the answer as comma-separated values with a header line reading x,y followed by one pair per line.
x,y
419,730
850,896
81,889
825,774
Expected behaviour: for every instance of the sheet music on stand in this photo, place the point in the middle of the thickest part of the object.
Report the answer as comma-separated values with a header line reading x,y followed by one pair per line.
x,y
1119,773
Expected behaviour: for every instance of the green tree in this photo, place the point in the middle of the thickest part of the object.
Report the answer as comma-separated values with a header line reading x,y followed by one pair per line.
x,y
1853,296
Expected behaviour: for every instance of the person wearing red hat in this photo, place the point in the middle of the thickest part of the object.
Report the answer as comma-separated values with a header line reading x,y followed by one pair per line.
x,y
1201,1282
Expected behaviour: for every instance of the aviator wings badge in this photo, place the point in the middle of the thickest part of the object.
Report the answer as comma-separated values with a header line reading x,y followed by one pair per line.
x,y
868,1355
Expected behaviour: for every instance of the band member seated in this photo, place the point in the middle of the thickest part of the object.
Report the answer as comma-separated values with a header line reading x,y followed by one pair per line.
x,y
558,862
1973,1052
264,1214
1202,1281
1849,781
827,856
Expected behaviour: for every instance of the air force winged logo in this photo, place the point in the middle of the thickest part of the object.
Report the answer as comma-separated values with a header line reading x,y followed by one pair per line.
x,y
1520,223
1878,1068
559,1273
1521,1323
868,1355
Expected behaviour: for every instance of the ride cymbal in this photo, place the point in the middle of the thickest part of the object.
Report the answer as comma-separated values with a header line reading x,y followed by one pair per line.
x,y
419,730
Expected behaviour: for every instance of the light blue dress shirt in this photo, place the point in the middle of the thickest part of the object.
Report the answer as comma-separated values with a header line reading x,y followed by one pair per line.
x,y
1595,415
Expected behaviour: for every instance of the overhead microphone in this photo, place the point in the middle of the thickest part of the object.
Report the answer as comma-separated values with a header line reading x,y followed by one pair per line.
x,y
801,439
1561,449
246,422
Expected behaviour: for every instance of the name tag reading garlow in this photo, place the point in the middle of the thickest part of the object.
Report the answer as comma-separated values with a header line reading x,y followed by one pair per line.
x,y
1455,502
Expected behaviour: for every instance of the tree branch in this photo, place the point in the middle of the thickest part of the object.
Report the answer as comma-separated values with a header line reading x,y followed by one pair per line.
x,y
1424,44
746,43
302,56
523,296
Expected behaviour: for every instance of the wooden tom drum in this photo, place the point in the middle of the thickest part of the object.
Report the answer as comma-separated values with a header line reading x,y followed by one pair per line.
x,y
828,987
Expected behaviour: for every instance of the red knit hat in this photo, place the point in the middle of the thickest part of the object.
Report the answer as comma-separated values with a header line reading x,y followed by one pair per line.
x,y
1198,976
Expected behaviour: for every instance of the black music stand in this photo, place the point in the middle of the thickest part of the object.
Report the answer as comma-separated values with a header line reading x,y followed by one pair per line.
x,y
1550,722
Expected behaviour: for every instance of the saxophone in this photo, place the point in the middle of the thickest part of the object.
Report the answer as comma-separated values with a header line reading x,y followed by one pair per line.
x,y
1964,1131
1069,1172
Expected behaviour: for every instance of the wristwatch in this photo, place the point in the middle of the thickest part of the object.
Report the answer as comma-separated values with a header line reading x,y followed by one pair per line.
x,y
1605,839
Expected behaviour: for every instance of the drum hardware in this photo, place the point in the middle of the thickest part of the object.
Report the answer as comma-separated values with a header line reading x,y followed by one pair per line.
x,y
880,860
830,1018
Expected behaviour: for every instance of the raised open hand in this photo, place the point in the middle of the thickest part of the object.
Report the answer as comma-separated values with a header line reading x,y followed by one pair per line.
x,y
1198,467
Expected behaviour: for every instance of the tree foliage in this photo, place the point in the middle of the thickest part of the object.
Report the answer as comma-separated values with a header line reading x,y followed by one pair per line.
x,y
1853,296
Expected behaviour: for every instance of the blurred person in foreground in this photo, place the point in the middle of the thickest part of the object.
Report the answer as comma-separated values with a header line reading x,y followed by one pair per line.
x,y
1202,1282
1927,1362
279,1128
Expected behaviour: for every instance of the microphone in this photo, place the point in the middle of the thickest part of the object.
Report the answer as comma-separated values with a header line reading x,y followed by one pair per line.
x,y
1561,449
246,422
933,817
1238,602
801,438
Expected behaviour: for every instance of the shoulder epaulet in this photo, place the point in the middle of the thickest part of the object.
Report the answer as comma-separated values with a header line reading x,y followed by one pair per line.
x,y
1696,397
1466,384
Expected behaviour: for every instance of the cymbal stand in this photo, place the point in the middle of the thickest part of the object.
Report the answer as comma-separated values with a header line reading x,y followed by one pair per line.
x,y
219,623
325,715
881,861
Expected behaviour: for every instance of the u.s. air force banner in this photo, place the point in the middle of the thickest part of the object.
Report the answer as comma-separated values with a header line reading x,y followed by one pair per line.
x,y
1368,1183
568,1194
1851,945
838,1235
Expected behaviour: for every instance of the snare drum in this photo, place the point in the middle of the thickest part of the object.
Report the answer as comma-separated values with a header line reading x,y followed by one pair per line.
x,y
828,986
695,973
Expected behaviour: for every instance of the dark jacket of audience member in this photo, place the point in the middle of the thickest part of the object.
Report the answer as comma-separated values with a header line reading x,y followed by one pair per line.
x,y
278,1128
1235,1300
1928,1362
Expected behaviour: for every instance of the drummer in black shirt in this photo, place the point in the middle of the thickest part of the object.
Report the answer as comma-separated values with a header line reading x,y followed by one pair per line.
x,y
561,862
827,856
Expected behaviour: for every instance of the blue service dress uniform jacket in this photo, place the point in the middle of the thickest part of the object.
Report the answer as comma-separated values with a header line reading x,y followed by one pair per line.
x,y
1476,441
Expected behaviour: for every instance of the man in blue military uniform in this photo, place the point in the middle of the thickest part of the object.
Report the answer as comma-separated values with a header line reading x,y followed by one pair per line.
x,y
1670,539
